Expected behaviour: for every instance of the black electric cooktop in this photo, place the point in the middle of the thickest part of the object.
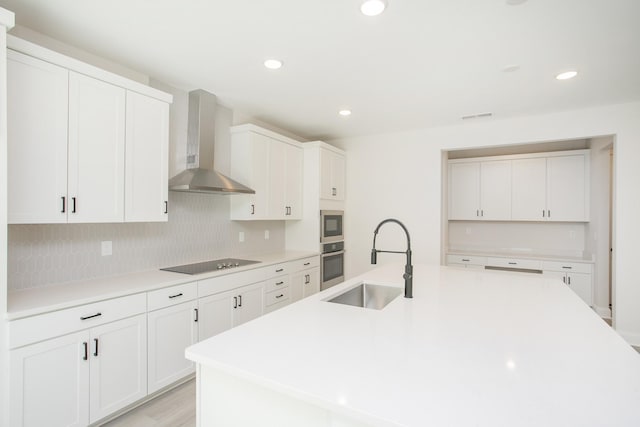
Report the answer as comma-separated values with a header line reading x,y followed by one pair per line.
x,y
207,266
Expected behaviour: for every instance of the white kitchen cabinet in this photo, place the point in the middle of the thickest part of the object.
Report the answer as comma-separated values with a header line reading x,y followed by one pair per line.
x,y
118,365
70,167
480,190
272,166
146,159
222,311
170,331
578,276
37,97
49,383
554,188
332,172
79,378
305,283
96,150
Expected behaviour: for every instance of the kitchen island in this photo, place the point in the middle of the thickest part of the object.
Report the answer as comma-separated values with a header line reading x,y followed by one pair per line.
x,y
472,348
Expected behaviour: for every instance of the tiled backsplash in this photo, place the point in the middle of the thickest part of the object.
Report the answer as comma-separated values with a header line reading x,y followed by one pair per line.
x,y
198,229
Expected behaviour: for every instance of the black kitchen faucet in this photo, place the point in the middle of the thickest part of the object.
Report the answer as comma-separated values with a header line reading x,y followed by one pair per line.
x,y
408,268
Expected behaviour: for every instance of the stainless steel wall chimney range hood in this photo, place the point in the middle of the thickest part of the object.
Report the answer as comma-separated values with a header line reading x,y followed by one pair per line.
x,y
200,176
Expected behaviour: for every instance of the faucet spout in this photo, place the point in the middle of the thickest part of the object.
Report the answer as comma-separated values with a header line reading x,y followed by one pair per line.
x,y
408,268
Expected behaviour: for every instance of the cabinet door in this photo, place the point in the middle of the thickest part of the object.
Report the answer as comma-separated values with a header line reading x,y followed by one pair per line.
x,y
37,101
311,282
464,191
294,182
567,198
250,166
495,190
326,184
277,180
250,303
296,286
529,189
118,365
96,150
50,383
581,284
337,176
146,147
215,314
171,330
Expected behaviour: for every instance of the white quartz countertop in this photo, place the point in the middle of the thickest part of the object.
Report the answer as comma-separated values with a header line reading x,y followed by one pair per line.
x,y
472,348
33,301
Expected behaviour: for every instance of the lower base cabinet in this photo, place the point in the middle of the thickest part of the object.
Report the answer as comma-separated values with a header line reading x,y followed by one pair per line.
x,y
79,378
171,330
580,283
305,283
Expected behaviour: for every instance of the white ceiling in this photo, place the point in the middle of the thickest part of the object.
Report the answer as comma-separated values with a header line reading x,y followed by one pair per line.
x,y
422,63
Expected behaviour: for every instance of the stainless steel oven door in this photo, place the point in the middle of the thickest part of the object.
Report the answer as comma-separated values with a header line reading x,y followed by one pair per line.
x,y
331,226
331,269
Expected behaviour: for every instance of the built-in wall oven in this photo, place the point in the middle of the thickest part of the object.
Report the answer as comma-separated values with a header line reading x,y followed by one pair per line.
x,y
331,264
331,226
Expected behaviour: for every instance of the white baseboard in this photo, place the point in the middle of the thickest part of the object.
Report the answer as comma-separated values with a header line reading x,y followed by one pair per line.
x,y
604,312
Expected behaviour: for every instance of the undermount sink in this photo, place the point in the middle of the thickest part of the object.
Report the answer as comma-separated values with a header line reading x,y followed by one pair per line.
x,y
367,295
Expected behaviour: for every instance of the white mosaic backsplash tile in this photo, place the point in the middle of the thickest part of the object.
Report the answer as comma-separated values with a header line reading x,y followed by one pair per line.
x,y
198,229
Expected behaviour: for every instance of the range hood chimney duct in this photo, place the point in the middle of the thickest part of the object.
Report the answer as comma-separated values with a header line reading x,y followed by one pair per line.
x,y
200,177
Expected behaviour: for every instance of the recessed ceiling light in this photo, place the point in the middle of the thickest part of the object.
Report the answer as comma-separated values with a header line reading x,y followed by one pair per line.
x,y
344,112
373,7
567,75
273,64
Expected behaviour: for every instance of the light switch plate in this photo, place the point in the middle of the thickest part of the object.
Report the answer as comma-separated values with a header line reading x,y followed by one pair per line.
x,y
241,236
106,248
266,234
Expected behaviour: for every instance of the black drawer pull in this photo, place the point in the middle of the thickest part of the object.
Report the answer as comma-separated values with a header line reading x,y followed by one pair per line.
x,y
279,283
239,300
73,209
235,302
64,205
307,263
465,260
86,351
176,295
91,317
513,263
279,296
166,207
196,310
279,270
568,268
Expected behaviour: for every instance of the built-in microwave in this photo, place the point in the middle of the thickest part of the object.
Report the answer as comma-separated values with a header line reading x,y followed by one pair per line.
x,y
331,226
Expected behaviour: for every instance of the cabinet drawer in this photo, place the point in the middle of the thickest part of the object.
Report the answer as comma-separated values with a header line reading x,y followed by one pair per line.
x,y
276,283
171,296
528,264
276,296
303,264
466,259
37,328
566,267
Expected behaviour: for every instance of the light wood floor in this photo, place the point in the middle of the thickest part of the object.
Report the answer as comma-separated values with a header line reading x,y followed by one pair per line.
x,y
176,408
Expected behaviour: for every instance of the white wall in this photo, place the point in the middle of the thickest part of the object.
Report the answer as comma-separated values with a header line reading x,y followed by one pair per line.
x,y
6,21
399,175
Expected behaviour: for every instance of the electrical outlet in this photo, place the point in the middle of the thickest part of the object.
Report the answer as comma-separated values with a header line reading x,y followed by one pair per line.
x,y
106,248
241,236
266,234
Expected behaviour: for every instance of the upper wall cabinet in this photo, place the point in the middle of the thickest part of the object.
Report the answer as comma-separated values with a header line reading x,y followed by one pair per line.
x,y
271,165
332,169
72,128
535,187
480,190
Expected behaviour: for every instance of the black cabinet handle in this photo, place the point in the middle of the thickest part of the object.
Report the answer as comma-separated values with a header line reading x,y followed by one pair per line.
x,y
95,353
64,204
465,260
235,302
196,311
307,279
568,268
279,270
513,263
279,283
307,263
239,300
253,209
86,351
568,280
91,317
548,214
166,207
334,192
73,209
176,295
543,213
279,296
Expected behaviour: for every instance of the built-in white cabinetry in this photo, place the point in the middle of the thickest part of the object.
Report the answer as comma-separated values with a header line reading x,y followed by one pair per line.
x,y
172,320
332,171
578,276
222,311
146,159
72,128
271,165
554,188
305,278
480,190
532,187
98,366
